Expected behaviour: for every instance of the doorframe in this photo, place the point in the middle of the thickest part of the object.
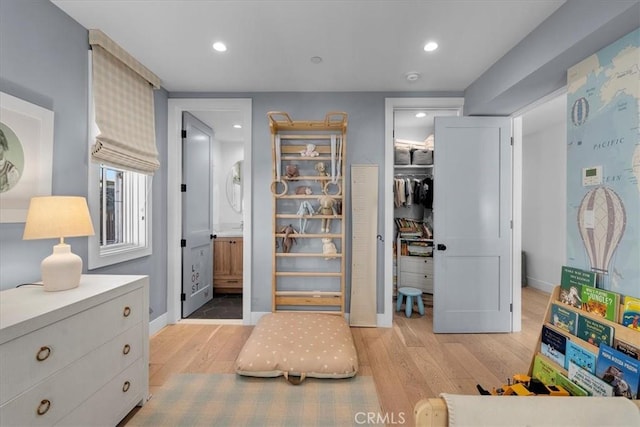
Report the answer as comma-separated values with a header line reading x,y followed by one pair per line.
x,y
390,104
386,319
174,198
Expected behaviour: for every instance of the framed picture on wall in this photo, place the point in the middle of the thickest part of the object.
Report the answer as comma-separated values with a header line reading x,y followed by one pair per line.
x,y
26,155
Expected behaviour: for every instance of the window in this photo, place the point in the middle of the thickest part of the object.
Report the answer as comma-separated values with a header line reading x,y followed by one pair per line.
x,y
119,202
120,206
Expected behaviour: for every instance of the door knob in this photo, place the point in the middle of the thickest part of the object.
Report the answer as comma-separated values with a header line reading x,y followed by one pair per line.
x,y
441,247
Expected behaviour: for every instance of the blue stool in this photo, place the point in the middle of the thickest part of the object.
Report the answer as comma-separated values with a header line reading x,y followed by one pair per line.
x,y
410,293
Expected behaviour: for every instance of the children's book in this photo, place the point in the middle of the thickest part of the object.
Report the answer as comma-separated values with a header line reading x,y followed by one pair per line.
x,y
631,312
620,371
580,356
553,345
629,349
592,384
544,370
594,332
573,388
564,318
576,276
600,302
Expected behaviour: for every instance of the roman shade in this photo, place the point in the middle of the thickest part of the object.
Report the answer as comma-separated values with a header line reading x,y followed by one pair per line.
x,y
123,103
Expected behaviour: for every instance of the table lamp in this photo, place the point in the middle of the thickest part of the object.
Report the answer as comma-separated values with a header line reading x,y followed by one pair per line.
x,y
52,217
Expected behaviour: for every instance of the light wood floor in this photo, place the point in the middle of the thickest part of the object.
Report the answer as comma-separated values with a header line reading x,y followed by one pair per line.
x,y
408,361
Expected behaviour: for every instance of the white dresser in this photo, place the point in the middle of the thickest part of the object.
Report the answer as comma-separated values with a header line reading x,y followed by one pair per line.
x,y
78,357
416,272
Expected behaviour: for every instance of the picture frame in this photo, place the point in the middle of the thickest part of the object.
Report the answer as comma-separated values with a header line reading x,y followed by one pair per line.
x,y
26,156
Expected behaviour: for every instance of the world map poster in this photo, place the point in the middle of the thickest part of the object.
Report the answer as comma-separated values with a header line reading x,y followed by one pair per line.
x,y
603,165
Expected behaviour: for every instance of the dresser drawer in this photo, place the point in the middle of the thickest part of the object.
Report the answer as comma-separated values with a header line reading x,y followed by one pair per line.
x,y
67,388
415,264
27,360
109,405
414,280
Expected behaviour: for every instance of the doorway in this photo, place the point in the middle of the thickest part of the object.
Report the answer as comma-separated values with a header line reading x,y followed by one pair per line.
x,y
205,109
409,127
392,104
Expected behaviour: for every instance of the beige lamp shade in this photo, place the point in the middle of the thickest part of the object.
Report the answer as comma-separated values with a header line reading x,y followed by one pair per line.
x,y
57,217
54,217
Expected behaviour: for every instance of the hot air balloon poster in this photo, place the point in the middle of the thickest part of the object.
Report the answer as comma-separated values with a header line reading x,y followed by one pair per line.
x,y
603,134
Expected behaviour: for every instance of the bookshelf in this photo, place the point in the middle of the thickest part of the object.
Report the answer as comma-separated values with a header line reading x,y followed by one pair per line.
x,y
620,332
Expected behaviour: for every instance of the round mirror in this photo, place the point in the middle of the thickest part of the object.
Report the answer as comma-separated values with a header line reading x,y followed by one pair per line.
x,y
234,187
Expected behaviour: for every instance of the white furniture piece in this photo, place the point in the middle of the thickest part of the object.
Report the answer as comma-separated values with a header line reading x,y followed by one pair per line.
x,y
76,357
414,271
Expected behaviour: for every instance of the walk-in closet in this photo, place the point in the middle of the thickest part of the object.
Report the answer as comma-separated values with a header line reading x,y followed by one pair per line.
x,y
413,189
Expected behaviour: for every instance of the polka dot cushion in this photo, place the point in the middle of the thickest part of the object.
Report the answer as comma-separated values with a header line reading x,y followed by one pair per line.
x,y
299,344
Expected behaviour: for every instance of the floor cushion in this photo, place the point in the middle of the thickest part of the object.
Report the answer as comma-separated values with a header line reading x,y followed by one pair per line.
x,y
299,345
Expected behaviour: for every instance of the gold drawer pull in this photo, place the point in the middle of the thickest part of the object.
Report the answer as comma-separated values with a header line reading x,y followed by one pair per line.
x,y
43,407
43,354
125,386
127,311
126,349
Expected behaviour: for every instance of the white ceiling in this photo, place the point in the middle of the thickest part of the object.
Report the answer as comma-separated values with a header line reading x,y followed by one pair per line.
x,y
366,45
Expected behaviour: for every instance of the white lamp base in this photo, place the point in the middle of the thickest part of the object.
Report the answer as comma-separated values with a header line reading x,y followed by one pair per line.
x,y
62,269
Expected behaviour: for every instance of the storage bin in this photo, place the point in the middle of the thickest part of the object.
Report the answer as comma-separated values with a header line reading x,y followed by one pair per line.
x,y
422,157
402,156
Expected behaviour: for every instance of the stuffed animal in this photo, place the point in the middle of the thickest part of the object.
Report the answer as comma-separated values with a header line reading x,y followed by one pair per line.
x,y
321,169
292,171
327,207
303,190
288,240
328,248
304,209
310,151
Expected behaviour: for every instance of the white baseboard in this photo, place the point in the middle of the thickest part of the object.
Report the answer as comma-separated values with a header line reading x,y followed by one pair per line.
x,y
158,323
540,285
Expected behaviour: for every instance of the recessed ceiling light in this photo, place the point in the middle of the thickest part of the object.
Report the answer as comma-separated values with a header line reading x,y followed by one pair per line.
x,y
430,46
316,59
421,115
220,47
412,76
236,126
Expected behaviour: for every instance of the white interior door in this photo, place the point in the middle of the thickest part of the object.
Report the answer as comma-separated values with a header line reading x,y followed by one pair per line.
x,y
197,207
472,225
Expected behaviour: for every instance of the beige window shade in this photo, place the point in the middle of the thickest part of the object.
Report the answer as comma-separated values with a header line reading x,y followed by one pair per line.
x,y
124,113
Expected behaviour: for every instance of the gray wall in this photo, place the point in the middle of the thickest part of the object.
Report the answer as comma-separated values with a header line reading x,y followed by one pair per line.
x,y
43,60
544,197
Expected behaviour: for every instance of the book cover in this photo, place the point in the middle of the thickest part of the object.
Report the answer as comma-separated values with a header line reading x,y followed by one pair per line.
x,y
600,302
571,295
544,370
553,345
594,332
564,318
591,383
580,356
626,348
575,276
620,371
573,388
631,312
